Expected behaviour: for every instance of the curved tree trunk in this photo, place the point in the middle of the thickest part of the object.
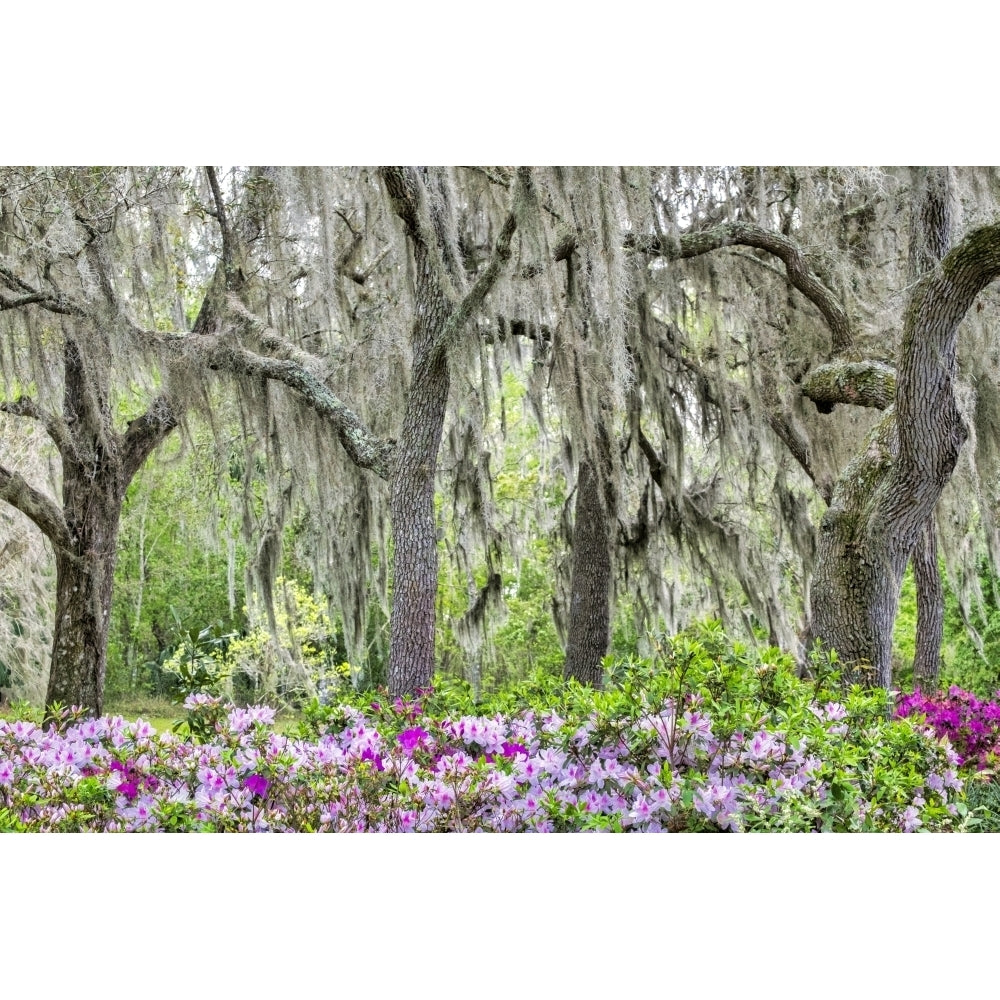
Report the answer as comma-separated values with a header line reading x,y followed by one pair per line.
x,y
887,495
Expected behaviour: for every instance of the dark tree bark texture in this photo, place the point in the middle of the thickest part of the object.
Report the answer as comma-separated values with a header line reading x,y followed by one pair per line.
x,y
98,465
594,523
930,609
414,529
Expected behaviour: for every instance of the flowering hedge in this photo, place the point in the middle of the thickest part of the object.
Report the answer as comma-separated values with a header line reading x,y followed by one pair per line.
x,y
705,736
971,726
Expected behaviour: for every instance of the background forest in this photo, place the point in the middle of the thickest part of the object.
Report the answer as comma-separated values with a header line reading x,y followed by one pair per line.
x,y
570,408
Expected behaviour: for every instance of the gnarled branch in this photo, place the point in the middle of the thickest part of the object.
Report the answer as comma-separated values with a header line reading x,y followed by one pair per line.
x,y
145,433
694,244
307,376
41,509
55,426
473,299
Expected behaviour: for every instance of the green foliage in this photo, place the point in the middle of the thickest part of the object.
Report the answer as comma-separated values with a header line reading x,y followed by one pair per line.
x,y
308,657
983,800
819,755
874,767
23,711
962,663
169,582
201,662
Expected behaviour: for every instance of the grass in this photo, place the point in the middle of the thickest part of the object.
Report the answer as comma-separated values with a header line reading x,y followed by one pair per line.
x,y
161,713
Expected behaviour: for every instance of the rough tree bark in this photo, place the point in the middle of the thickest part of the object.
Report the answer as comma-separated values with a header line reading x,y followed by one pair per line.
x,y
96,474
438,317
868,532
98,464
594,527
930,608
409,464
930,240
887,495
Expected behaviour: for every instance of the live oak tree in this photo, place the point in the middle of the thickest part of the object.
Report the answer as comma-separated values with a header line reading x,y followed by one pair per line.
x,y
857,265
713,345
67,268
57,292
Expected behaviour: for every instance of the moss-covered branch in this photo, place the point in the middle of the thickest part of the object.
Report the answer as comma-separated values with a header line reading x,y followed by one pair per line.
x,y
55,426
801,276
301,372
861,383
41,509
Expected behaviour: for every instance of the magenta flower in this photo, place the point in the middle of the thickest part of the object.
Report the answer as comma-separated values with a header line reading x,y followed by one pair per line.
x,y
513,749
130,789
411,738
375,758
257,784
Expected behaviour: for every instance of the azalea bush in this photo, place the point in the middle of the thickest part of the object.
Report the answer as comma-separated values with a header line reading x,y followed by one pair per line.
x,y
971,725
706,735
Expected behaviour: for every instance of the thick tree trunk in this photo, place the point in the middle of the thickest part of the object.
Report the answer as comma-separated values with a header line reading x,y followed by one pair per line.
x,y
414,531
440,316
411,508
590,584
858,570
97,466
887,495
83,613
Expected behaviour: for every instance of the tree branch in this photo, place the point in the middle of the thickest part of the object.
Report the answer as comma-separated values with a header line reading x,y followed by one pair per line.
x,y
56,427
487,278
742,234
931,428
228,252
308,377
145,433
401,185
53,303
863,383
39,508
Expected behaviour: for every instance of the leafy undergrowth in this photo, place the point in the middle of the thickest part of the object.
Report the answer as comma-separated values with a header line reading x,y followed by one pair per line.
x,y
705,736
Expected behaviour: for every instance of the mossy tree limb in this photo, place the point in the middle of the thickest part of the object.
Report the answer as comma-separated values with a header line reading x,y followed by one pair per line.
x,y
860,383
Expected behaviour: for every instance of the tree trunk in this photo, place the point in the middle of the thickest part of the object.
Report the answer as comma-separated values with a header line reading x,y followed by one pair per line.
x,y
930,609
590,584
97,466
930,238
440,315
887,495
857,579
411,507
414,531
83,599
